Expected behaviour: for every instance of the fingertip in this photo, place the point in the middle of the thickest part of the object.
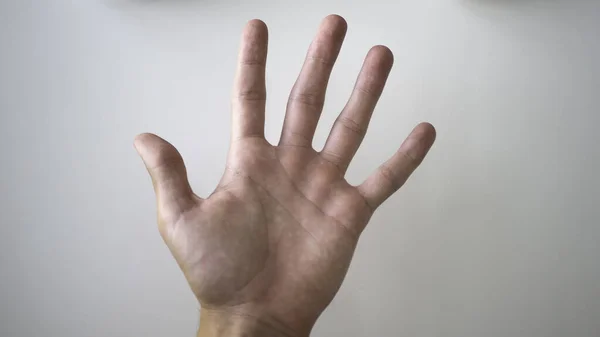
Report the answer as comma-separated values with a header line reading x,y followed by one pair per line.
x,y
145,141
142,136
257,23
382,54
426,127
140,140
255,39
154,150
256,26
335,17
335,23
427,130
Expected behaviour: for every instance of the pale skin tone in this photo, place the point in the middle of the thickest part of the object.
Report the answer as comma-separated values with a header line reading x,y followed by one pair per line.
x,y
267,251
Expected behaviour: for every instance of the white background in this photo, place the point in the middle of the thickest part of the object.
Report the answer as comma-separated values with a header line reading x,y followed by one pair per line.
x,y
496,235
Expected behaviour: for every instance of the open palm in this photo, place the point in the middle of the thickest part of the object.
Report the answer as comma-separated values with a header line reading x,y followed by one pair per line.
x,y
272,244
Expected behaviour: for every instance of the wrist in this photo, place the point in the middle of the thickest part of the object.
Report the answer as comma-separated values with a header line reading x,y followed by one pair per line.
x,y
229,323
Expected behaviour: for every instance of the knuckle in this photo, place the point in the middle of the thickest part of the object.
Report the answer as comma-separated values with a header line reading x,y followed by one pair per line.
x,y
333,157
390,176
369,87
252,95
300,139
253,62
313,100
352,125
323,60
166,161
366,89
410,159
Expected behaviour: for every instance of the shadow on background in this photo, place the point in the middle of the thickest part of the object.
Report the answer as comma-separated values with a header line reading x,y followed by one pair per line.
x,y
159,4
518,7
511,3
514,4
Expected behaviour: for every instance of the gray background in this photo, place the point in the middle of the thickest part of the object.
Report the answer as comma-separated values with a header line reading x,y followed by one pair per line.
x,y
496,235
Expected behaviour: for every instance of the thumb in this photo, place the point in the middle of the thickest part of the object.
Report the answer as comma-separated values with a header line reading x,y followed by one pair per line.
x,y
169,176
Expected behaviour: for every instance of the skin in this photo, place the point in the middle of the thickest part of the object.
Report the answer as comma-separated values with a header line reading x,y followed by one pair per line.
x,y
267,251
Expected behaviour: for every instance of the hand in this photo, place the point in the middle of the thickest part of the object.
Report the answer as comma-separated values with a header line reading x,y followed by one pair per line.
x,y
267,251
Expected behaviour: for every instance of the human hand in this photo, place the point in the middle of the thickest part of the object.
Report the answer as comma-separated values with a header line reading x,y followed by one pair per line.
x,y
267,251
